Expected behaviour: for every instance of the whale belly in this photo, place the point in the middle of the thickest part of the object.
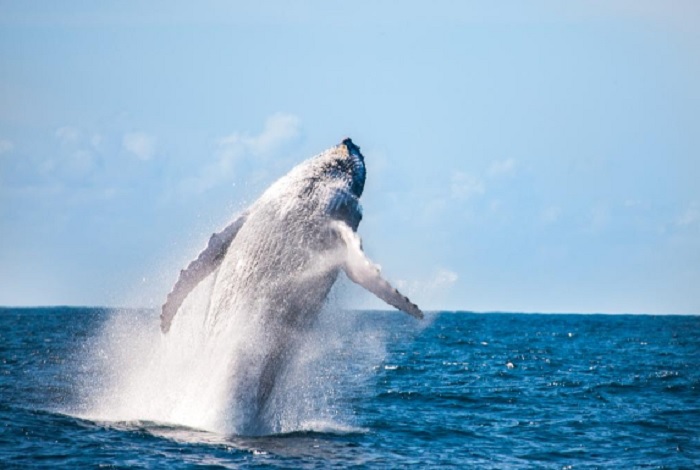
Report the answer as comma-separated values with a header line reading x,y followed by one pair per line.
x,y
271,285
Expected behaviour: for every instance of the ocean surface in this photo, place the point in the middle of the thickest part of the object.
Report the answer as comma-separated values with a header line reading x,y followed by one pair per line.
x,y
382,390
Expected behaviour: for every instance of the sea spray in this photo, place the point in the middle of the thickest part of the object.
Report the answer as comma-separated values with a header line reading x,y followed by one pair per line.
x,y
137,374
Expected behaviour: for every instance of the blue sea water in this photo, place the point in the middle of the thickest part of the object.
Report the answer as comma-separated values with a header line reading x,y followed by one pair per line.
x,y
457,390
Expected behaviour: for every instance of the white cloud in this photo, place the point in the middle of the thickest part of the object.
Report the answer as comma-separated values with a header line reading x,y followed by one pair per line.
x,y
96,141
690,216
140,144
599,217
444,278
280,128
233,150
6,146
73,160
550,214
503,167
67,135
432,290
79,164
463,186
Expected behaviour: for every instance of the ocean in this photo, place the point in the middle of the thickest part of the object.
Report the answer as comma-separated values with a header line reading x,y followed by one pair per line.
x,y
378,389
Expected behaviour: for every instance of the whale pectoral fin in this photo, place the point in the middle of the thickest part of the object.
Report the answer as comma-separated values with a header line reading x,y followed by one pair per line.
x,y
207,261
362,271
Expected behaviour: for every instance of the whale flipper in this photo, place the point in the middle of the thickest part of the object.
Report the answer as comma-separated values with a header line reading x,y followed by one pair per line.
x,y
362,271
207,261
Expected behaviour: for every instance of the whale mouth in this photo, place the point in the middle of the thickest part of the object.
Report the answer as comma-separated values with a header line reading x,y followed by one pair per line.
x,y
358,166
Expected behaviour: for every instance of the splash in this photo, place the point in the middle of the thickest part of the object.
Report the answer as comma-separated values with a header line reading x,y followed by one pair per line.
x,y
186,377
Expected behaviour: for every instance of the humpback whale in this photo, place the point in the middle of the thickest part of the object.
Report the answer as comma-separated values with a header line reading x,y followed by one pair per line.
x,y
269,272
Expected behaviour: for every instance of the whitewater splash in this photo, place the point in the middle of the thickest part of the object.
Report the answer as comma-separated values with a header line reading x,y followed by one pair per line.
x,y
139,375
242,348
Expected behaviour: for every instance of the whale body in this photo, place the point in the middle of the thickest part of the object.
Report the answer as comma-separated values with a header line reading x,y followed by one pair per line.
x,y
269,272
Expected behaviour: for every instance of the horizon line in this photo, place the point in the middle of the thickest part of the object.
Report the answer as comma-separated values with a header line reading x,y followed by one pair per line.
x,y
430,311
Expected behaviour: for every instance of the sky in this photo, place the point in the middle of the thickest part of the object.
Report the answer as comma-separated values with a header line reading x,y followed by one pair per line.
x,y
522,156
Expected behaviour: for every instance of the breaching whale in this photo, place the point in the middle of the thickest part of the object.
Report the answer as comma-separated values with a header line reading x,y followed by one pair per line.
x,y
272,268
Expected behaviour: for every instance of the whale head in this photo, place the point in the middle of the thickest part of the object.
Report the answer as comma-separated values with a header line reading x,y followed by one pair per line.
x,y
343,164
331,182
343,171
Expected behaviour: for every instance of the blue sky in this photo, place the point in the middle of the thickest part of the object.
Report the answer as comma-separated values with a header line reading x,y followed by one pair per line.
x,y
524,156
